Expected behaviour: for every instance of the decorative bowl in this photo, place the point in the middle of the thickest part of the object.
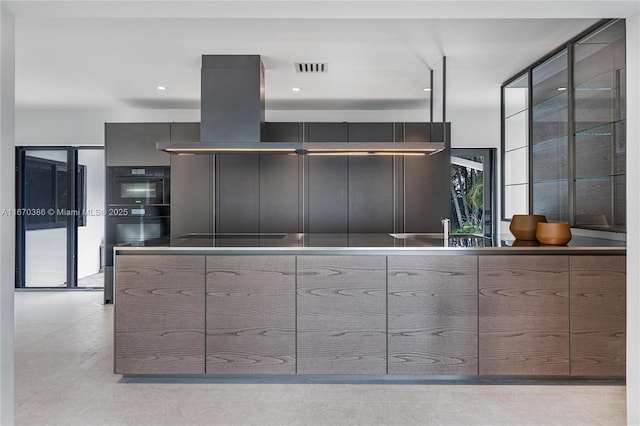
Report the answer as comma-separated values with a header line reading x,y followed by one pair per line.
x,y
553,233
524,226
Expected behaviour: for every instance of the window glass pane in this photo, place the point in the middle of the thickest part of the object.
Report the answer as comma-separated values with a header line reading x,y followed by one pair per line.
x,y
516,166
516,200
516,131
516,96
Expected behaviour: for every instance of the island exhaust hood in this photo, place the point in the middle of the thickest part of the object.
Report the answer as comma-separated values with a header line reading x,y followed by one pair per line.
x,y
232,118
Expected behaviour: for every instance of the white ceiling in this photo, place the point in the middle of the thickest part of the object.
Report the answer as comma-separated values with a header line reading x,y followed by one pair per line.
x,y
98,55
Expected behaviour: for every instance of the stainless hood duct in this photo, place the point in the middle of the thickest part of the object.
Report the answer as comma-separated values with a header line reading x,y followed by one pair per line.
x,y
232,117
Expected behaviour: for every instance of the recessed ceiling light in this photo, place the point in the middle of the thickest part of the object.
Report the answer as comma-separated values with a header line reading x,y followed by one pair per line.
x,y
560,89
296,89
161,88
427,89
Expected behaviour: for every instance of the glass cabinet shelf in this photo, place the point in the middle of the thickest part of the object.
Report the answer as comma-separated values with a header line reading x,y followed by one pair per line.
x,y
603,177
552,103
561,180
516,113
537,146
597,129
594,82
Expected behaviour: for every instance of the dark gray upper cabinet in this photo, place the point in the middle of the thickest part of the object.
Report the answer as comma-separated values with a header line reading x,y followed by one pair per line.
x,y
185,132
326,132
328,186
371,181
425,132
371,132
134,144
282,132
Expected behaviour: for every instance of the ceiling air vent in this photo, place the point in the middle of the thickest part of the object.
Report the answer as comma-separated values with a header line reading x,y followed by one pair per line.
x,y
317,67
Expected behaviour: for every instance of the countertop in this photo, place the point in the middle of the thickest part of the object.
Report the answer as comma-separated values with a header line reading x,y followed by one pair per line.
x,y
352,243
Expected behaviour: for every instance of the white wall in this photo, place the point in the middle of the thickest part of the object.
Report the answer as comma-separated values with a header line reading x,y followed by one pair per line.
x,y
85,126
633,226
91,236
7,222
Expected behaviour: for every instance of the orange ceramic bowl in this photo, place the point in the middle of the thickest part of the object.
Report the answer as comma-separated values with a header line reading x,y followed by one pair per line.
x,y
524,226
554,233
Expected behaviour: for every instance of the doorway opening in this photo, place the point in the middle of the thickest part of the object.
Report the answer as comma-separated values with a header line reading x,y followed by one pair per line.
x,y
59,217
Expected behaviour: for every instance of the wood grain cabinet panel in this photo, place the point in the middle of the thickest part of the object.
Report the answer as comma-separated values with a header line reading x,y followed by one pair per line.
x,y
341,315
524,315
159,314
433,315
251,315
598,315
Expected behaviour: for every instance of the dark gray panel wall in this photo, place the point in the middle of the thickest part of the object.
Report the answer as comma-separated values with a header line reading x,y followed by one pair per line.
x,y
278,204
328,185
238,193
282,132
134,144
280,186
191,194
371,181
191,185
239,80
427,181
185,132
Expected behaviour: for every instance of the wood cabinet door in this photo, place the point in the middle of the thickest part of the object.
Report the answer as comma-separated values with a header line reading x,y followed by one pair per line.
x,y
598,316
341,315
251,315
159,314
524,315
433,315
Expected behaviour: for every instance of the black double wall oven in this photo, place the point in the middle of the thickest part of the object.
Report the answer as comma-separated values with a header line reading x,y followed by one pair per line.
x,y
138,211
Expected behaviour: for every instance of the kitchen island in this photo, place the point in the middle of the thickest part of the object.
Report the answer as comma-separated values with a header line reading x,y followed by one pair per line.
x,y
369,304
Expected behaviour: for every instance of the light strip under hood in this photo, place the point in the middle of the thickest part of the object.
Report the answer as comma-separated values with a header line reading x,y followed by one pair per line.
x,y
304,148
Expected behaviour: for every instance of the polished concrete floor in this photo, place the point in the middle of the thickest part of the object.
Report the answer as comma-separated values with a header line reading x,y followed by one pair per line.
x,y
64,364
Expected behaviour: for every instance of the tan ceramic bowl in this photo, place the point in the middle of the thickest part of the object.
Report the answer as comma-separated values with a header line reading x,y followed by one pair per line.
x,y
524,226
557,234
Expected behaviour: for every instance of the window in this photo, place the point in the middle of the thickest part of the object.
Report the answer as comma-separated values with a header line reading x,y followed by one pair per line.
x,y
46,193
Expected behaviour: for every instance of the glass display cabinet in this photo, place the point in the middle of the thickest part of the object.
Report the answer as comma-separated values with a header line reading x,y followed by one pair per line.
x,y
563,133
516,146
549,138
600,142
